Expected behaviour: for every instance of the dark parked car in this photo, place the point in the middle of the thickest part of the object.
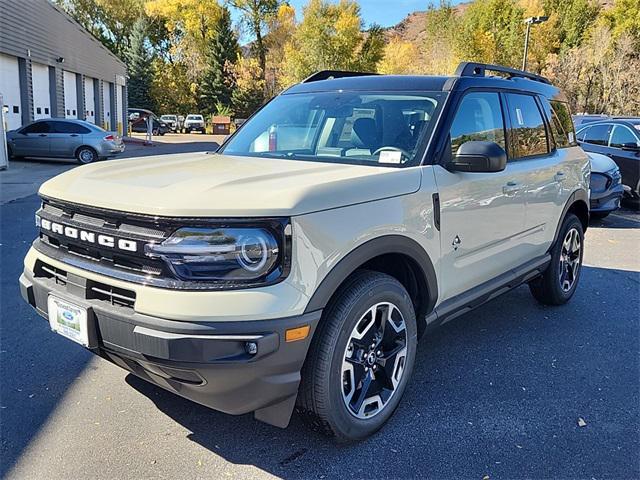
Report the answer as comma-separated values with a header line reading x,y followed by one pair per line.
x,y
618,139
66,138
138,122
582,119
606,185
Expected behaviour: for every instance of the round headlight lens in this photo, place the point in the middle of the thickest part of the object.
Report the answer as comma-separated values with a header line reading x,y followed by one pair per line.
x,y
253,253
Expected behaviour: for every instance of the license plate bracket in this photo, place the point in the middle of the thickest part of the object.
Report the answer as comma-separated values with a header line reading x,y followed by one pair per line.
x,y
70,320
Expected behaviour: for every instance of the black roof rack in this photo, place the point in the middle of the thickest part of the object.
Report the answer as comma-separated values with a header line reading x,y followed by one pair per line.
x,y
329,74
472,69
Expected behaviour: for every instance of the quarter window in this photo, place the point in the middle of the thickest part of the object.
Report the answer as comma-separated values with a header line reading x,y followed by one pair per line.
x,y
621,136
560,122
598,134
528,126
69,127
479,118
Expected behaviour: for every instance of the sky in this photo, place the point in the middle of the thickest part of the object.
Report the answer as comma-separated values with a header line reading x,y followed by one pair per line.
x,y
386,13
383,12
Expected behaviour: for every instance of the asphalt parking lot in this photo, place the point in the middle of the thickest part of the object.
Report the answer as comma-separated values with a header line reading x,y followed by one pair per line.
x,y
27,175
499,392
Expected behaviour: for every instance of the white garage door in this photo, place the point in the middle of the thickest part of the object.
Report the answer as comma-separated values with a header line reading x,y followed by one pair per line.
x,y
10,89
70,95
89,100
41,98
106,102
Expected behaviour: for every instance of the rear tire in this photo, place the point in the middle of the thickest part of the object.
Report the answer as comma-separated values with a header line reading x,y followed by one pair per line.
x,y
559,282
361,357
86,155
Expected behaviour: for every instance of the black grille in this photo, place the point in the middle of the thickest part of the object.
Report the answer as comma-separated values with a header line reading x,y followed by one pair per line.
x,y
115,296
92,290
43,270
119,225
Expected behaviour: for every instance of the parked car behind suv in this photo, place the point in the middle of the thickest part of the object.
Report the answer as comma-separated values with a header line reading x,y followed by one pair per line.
x,y
194,122
605,184
64,138
171,121
301,263
138,122
619,139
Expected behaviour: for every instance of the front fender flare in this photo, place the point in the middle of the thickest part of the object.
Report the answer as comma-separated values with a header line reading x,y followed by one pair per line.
x,y
387,244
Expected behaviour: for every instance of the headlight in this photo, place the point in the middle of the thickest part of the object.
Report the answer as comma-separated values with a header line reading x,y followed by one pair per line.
x,y
225,255
599,182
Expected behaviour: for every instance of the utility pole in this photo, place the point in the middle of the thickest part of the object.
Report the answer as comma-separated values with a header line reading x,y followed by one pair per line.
x,y
530,21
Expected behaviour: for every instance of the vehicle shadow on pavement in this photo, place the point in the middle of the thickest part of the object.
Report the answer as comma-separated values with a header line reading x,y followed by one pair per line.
x,y
36,367
620,219
496,392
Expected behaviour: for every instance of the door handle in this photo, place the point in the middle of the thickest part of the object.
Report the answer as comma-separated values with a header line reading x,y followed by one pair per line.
x,y
511,187
42,135
559,177
73,135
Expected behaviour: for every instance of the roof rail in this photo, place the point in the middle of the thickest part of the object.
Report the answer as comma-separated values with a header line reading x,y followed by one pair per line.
x,y
329,74
473,69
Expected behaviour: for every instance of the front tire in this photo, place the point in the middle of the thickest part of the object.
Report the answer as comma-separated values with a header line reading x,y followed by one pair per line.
x,y
86,155
361,357
559,282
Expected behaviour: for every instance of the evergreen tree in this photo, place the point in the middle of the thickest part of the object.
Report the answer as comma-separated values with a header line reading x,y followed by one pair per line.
x,y
139,68
217,83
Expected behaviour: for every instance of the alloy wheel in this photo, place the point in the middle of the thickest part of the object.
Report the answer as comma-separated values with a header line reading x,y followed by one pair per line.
x,y
374,360
570,259
86,155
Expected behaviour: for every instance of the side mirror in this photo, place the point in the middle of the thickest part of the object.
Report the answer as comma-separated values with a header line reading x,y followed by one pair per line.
x,y
631,147
475,156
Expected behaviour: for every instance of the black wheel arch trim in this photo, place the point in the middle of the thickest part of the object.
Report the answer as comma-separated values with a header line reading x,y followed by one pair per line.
x,y
387,244
580,195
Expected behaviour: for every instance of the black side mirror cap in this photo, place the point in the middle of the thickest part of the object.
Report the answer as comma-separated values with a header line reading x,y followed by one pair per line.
x,y
631,147
477,156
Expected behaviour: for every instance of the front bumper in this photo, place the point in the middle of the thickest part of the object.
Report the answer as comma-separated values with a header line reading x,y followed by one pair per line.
x,y
606,201
206,362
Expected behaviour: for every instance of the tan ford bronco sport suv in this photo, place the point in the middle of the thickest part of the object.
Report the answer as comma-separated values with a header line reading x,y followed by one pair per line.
x,y
299,265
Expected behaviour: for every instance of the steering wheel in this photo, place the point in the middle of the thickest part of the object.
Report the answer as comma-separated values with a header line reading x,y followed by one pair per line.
x,y
392,149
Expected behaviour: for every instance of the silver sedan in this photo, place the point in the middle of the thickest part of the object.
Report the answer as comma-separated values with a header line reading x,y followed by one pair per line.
x,y
64,138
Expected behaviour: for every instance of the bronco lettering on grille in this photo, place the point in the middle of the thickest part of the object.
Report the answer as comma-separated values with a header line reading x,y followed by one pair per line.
x,y
88,237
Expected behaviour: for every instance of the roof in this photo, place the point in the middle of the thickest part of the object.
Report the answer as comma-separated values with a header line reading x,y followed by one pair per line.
x,y
629,121
373,82
425,83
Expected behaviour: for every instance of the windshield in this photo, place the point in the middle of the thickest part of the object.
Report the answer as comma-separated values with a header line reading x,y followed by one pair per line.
x,y
342,127
194,117
168,117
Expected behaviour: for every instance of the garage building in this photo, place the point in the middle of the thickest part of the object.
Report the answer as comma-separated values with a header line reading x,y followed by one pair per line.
x,y
51,67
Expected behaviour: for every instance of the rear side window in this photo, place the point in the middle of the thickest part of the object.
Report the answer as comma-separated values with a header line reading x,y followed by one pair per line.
x,y
621,136
68,127
528,128
598,135
479,118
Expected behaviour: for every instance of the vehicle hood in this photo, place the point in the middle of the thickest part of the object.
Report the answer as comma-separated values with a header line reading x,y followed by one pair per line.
x,y
600,163
210,185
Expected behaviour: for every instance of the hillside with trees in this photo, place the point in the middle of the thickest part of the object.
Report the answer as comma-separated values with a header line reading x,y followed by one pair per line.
x,y
184,55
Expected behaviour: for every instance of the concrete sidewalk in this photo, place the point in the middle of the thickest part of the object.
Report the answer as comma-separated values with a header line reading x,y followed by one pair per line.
x,y
24,177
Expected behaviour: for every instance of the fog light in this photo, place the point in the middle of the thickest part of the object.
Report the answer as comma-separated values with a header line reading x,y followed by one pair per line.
x,y
298,333
251,348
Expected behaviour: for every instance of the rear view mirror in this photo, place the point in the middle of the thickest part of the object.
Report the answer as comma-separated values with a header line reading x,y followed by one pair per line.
x,y
475,156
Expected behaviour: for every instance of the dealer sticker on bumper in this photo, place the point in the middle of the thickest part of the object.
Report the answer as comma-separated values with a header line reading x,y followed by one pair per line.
x,y
68,320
